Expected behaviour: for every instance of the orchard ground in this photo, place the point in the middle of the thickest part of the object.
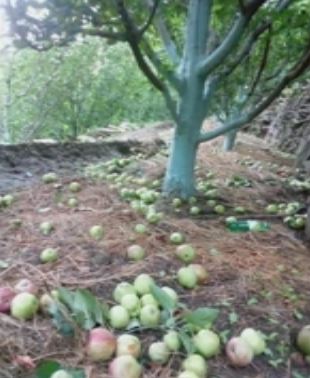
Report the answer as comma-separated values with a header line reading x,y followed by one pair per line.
x,y
258,280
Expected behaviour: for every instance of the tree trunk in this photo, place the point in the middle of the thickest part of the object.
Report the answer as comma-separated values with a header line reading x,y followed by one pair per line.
x,y
230,140
308,222
180,179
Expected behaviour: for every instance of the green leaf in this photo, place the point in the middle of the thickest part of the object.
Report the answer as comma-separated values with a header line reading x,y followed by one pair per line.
x,y
46,369
66,296
162,298
187,342
233,317
202,317
61,319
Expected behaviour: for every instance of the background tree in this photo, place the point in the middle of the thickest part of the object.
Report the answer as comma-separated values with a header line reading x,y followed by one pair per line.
x,y
229,57
68,91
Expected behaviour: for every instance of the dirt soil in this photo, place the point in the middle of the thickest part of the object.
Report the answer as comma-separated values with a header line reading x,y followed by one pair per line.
x,y
258,280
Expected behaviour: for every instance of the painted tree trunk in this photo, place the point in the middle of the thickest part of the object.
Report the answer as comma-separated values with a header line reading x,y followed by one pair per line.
x,y
180,179
230,140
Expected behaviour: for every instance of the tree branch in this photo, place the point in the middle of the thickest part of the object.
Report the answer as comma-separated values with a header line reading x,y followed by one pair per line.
x,y
163,31
298,69
153,10
134,44
209,63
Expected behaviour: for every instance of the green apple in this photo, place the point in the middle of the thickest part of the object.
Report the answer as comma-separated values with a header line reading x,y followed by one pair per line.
x,y
96,232
177,238
49,255
119,317
24,306
142,283
207,343
187,277
196,364
186,253
150,315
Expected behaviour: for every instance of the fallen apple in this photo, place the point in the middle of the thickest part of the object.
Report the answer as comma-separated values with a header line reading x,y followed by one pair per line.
x,y
177,238
207,343
101,344
172,340
75,187
119,317
219,209
272,209
196,364
128,345
72,202
176,202
150,316
188,374
200,271
194,210
96,232
7,200
239,352
172,294
303,340
26,286
122,289
24,306
46,228
125,366
186,253
131,303
46,302
147,299
61,374
135,252
254,339
187,277
159,353
49,255
6,296
49,178
140,228
142,283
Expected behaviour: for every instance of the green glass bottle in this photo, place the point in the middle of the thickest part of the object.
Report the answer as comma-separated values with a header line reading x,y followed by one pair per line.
x,y
248,225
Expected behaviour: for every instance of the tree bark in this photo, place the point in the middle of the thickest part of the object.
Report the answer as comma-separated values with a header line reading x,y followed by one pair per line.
x,y
230,140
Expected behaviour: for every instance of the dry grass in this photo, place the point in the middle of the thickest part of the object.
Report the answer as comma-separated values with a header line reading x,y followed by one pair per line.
x,y
240,266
